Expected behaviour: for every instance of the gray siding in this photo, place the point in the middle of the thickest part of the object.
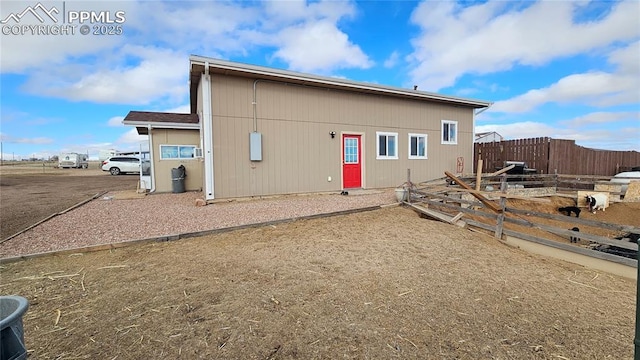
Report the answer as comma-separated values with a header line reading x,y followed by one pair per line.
x,y
298,153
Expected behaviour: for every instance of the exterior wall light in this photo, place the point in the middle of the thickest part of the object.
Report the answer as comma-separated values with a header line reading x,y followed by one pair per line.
x,y
333,134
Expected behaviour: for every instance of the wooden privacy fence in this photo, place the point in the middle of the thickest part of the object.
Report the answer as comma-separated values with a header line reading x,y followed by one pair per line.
x,y
549,156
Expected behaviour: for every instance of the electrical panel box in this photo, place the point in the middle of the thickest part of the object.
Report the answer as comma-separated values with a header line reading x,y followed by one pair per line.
x,y
255,146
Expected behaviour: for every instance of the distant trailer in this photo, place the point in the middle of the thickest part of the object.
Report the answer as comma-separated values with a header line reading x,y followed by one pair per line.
x,y
106,154
73,160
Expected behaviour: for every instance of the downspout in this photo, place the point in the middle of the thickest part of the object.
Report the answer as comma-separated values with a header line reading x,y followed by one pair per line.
x,y
207,126
153,172
255,105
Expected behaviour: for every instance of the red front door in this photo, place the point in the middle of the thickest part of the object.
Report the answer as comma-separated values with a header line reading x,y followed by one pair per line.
x,y
351,162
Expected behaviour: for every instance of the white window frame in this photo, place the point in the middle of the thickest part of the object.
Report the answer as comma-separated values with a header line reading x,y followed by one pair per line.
x,y
179,146
417,157
395,150
449,141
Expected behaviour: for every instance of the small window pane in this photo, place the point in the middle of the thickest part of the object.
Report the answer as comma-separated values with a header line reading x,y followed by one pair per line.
x,y
350,151
449,132
177,152
392,146
186,152
169,152
414,146
383,145
387,145
421,146
417,146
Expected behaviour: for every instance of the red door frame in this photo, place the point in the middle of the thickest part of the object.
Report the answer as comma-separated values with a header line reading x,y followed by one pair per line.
x,y
351,172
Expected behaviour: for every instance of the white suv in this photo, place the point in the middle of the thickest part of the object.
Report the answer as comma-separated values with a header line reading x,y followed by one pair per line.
x,y
121,164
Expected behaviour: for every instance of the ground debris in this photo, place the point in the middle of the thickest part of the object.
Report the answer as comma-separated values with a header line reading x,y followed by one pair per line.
x,y
388,288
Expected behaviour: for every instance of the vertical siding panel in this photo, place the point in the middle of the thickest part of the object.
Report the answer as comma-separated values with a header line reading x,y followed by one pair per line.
x,y
227,131
233,161
275,146
298,153
294,168
224,182
240,156
218,186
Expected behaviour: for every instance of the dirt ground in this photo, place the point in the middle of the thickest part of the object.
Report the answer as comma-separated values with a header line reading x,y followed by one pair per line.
x,y
380,284
31,192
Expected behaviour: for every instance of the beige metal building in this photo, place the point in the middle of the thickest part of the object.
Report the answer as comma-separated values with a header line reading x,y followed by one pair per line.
x,y
257,131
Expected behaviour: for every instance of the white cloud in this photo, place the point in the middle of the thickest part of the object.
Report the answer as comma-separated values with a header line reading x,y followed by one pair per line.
x,y
596,88
319,47
125,69
154,76
207,28
32,52
392,60
627,59
297,29
497,35
131,137
115,121
289,12
24,140
182,109
602,117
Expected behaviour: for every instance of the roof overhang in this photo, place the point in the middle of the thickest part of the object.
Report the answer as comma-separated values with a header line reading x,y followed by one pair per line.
x,y
145,120
143,127
197,68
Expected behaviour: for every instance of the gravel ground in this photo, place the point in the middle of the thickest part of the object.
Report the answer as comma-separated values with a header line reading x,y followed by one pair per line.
x,y
106,220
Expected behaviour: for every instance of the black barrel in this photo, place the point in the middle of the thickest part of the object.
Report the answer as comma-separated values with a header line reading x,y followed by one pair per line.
x,y
177,179
12,308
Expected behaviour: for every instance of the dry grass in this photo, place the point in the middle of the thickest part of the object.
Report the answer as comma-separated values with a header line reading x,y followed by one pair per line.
x,y
382,284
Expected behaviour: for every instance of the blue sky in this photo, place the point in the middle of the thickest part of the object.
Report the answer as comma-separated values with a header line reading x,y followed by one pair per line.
x,y
563,69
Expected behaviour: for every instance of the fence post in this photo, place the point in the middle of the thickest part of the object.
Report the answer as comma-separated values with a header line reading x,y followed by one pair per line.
x,y
409,186
503,203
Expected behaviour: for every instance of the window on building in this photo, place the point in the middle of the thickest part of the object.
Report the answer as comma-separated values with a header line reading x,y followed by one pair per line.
x,y
417,146
449,132
387,145
351,151
176,152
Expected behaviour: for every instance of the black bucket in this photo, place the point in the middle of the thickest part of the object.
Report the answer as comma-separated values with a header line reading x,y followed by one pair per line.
x,y
12,308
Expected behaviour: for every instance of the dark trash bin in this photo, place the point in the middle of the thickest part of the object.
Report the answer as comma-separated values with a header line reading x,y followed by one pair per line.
x,y
11,332
177,179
